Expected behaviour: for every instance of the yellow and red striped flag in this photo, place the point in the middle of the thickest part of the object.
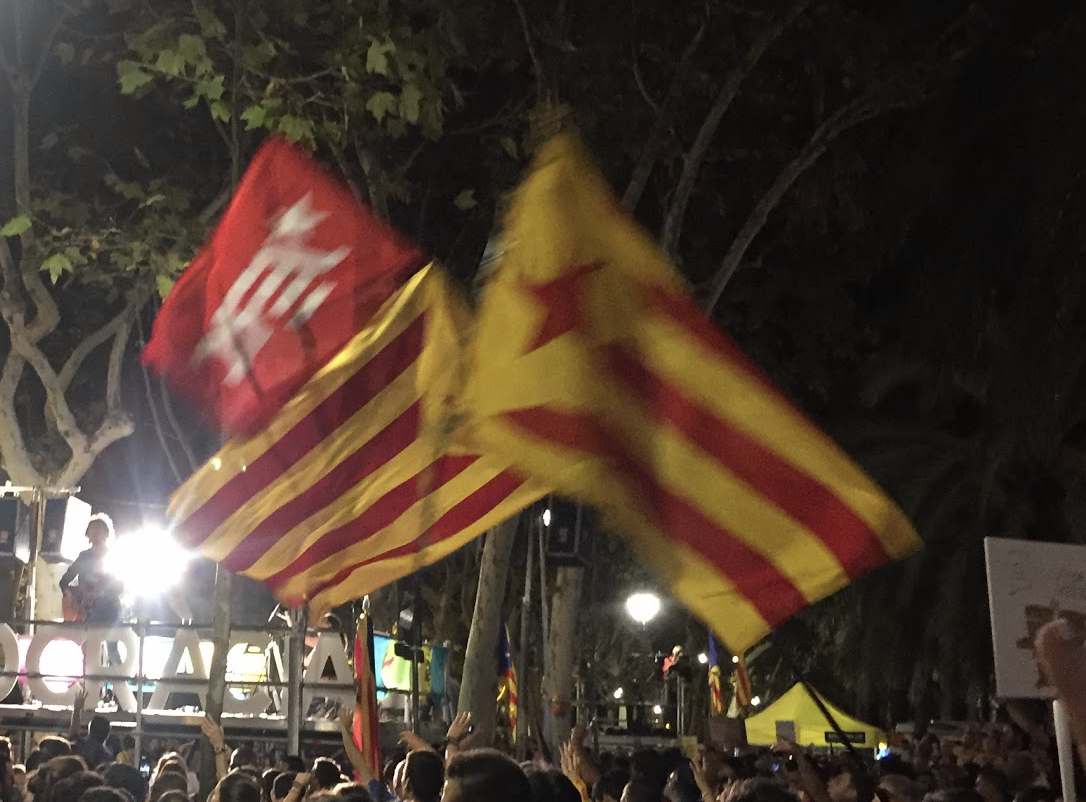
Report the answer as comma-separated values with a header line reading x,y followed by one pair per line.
x,y
743,693
364,725
356,482
595,373
716,690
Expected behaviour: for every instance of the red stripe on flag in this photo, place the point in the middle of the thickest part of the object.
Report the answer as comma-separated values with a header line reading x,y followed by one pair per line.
x,y
368,457
372,377
771,592
381,513
799,495
457,518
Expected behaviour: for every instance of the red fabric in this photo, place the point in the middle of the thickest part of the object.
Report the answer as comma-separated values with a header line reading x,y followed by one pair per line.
x,y
295,268
364,725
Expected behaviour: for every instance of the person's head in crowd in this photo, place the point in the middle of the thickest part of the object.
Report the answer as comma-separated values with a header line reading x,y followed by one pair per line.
x,y
954,795
5,747
388,770
175,796
1036,793
50,773
850,783
992,785
419,777
54,746
350,792
168,781
681,786
267,780
926,781
485,775
288,763
648,768
326,774
758,789
897,788
893,764
126,778
608,787
104,793
98,730
170,760
639,791
244,755
237,786
18,777
282,785
74,786
1020,770
548,784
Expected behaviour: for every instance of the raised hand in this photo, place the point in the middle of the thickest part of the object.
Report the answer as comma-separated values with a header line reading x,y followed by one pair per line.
x,y
459,728
414,742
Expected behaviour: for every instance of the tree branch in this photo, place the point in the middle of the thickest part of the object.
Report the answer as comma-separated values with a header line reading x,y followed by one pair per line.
x,y
115,369
86,347
17,461
47,45
669,235
647,160
46,314
533,53
849,116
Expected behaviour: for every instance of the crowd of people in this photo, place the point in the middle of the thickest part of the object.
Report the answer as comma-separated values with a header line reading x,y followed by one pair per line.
x,y
1011,762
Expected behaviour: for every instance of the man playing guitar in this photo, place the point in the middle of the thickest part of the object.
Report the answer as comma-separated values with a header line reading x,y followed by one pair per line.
x,y
90,593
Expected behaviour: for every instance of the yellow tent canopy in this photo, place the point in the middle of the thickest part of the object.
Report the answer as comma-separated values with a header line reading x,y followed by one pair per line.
x,y
812,729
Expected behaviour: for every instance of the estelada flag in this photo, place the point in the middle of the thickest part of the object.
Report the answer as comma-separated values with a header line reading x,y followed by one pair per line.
x,y
357,480
595,373
364,726
294,269
507,679
716,691
743,693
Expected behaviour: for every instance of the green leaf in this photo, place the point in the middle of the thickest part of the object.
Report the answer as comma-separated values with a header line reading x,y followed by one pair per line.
x,y
210,25
164,284
153,199
65,52
295,128
409,103
381,104
49,141
377,58
15,226
191,48
132,76
211,89
170,62
220,111
191,102
465,200
254,117
57,265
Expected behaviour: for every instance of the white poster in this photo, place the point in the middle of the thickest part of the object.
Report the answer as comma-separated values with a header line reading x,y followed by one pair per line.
x,y
1030,583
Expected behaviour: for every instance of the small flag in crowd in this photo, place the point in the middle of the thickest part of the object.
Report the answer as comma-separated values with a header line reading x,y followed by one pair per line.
x,y
294,269
507,679
596,374
716,691
743,693
339,367
364,726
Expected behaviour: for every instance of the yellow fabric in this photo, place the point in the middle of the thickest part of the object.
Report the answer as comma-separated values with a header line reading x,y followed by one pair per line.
x,y
811,726
565,227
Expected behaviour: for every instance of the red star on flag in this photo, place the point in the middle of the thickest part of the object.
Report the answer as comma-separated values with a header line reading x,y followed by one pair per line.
x,y
563,300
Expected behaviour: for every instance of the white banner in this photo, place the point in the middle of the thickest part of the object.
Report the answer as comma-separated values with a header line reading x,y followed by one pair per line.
x,y
1029,584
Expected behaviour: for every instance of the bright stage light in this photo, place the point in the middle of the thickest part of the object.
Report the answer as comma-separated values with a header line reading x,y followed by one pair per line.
x,y
546,517
618,693
148,561
643,607
703,658
735,659
755,701
657,710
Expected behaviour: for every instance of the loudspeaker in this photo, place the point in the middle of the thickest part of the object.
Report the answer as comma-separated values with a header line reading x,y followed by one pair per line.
x,y
569,533
65,526
11,574
9,516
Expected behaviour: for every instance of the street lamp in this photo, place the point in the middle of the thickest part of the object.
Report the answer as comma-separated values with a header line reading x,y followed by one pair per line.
x,y
618,693
703,658
643,607
657,710
755,701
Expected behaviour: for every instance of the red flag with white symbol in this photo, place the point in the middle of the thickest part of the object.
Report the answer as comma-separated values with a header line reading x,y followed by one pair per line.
x,y
295,268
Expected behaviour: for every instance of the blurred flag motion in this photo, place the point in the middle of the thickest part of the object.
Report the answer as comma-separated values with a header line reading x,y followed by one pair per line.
x,y
370,442
507,679
366,715
595,373
716,690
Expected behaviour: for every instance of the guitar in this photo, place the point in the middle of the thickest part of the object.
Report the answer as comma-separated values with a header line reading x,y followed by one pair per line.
x,y
80,601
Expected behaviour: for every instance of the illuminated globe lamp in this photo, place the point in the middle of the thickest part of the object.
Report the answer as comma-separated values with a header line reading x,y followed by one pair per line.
x,y
643,607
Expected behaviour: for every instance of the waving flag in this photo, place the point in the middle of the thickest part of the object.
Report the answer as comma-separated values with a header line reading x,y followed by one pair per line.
x,y
294,269
356,481
595,373
507,680
743,693
716,691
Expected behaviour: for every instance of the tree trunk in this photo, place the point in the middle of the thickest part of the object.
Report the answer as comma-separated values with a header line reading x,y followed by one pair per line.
x,y
479,683
216,686
558,681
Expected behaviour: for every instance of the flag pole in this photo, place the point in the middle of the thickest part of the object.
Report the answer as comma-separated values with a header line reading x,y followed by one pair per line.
x,y
519,739
840,733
